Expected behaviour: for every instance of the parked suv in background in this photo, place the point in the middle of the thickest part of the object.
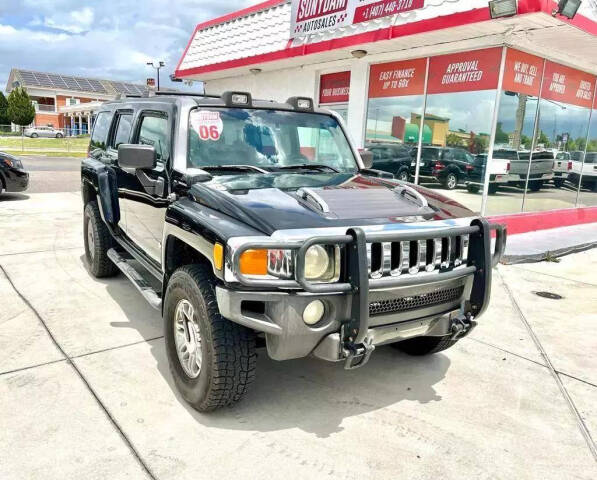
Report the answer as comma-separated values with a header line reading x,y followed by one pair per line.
x,y
498,171
252,222
392,158
48,132
13,177
448,165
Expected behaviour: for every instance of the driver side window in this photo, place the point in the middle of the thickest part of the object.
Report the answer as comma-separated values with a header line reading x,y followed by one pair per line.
x,y
154,130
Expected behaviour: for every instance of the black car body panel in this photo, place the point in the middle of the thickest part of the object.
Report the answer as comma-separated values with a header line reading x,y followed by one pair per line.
x,y
13,176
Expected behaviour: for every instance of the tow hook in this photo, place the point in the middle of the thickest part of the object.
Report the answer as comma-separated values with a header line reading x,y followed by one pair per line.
x,y
357,355
462,326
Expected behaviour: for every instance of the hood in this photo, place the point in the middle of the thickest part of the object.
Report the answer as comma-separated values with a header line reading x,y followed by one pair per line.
x,y
295,201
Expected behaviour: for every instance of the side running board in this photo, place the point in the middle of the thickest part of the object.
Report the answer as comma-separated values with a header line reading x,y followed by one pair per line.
x,y
134,276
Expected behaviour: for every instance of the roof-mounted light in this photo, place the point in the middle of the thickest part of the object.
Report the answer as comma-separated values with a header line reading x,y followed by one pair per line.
x,y
301,103
567,8
237,99
502,8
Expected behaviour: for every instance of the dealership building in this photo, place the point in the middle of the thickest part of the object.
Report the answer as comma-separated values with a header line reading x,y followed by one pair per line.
x,y
485,77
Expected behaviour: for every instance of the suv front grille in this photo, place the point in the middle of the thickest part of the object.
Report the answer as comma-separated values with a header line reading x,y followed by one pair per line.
x,y
412,257
412,302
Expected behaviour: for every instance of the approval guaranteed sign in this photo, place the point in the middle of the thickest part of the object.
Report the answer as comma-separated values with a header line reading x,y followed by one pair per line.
x,y
314,16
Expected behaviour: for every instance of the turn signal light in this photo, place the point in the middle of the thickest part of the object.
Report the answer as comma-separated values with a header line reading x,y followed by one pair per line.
x,y
253,262
218,256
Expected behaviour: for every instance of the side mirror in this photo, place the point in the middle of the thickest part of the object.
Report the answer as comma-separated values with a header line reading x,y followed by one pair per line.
x,y
139,157
367,157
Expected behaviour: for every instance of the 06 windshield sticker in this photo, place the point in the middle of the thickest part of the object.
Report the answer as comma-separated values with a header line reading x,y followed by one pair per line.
x,y
208,125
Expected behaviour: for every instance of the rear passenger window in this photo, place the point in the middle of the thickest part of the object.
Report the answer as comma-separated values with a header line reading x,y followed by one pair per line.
x,y
123,130
99,137
154,131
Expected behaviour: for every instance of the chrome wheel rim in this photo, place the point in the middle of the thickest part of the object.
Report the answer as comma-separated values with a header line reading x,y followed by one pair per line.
x,y
451,181
90,239
187,338
403,177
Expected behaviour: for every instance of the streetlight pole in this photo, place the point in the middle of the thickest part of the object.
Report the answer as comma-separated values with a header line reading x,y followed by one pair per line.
x,y
160,65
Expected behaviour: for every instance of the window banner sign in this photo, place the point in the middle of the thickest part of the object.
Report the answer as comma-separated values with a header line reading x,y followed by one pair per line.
x,y
334,87
316,16
397,79
465,72
522,73
567,85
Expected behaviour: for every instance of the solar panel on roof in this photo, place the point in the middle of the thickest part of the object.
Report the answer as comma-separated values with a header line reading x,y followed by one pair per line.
x,y
44,80
57,80
97,86
28,78
71,83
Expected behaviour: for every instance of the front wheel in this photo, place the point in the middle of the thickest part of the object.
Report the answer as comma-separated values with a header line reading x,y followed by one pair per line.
x,y
424,345
34,135
451,181
59,135
211,358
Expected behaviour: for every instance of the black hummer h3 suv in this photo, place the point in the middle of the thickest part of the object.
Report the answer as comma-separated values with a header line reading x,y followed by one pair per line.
x,y
252,222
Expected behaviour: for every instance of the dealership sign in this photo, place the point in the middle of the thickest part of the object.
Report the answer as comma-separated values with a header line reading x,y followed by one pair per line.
x,y
396,79
334,87
567,85
522,73
315,16
464,72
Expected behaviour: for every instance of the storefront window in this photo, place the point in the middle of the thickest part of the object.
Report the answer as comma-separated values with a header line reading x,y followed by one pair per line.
x,y
460,104
564,112
394,115
588,168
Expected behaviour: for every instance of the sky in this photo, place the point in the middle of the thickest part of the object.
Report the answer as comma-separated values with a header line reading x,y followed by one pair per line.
x,y
107,39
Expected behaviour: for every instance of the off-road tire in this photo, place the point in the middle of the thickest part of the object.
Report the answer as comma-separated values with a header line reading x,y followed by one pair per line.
x,y
228,349
473,188
98,261
558,182
424,345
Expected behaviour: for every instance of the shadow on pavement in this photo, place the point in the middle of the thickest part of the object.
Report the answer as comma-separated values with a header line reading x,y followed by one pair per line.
x,y
11,197
312,395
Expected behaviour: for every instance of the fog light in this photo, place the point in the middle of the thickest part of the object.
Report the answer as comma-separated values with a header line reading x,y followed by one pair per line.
x,y
313,312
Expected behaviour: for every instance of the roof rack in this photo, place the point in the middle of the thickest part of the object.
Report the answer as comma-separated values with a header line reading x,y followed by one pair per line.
x,y
185,94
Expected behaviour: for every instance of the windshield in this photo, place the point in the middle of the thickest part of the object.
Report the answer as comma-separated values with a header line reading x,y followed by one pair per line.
x,y
271,140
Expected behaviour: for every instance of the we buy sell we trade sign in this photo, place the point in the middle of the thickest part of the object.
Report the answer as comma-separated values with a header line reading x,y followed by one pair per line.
x,y
315,16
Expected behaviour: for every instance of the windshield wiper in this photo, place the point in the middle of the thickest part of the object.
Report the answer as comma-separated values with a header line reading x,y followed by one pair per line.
x,y
308,166
240,168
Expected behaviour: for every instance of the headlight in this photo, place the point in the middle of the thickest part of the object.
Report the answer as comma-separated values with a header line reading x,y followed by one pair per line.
x,y
322,263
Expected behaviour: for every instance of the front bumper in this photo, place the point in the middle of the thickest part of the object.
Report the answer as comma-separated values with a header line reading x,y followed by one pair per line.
x,y
17,180
363,311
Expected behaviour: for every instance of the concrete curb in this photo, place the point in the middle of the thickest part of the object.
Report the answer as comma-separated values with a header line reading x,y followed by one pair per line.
x,y
547,255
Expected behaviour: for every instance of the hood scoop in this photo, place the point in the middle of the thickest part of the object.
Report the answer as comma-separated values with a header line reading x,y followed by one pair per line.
x,y
355,202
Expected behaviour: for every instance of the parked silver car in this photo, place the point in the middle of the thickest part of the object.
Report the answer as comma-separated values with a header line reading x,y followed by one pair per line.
x,y
48,132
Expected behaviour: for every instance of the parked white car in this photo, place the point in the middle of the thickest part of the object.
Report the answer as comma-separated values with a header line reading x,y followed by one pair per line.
x,y
561,168
48,132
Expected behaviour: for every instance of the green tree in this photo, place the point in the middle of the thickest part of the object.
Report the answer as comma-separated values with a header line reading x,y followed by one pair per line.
x,y
20,108
571,145
525,142
4,120
501,137
453,140
543,139
479,144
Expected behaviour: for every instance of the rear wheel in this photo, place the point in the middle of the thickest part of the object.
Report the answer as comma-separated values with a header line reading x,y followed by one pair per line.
x,y
211,358
403,176
451,181
424,345
34,135
493,188
472,188
98,241
558,182
535,186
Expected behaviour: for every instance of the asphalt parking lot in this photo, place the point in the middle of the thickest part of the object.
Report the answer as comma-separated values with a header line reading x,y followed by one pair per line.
x,y
85,390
